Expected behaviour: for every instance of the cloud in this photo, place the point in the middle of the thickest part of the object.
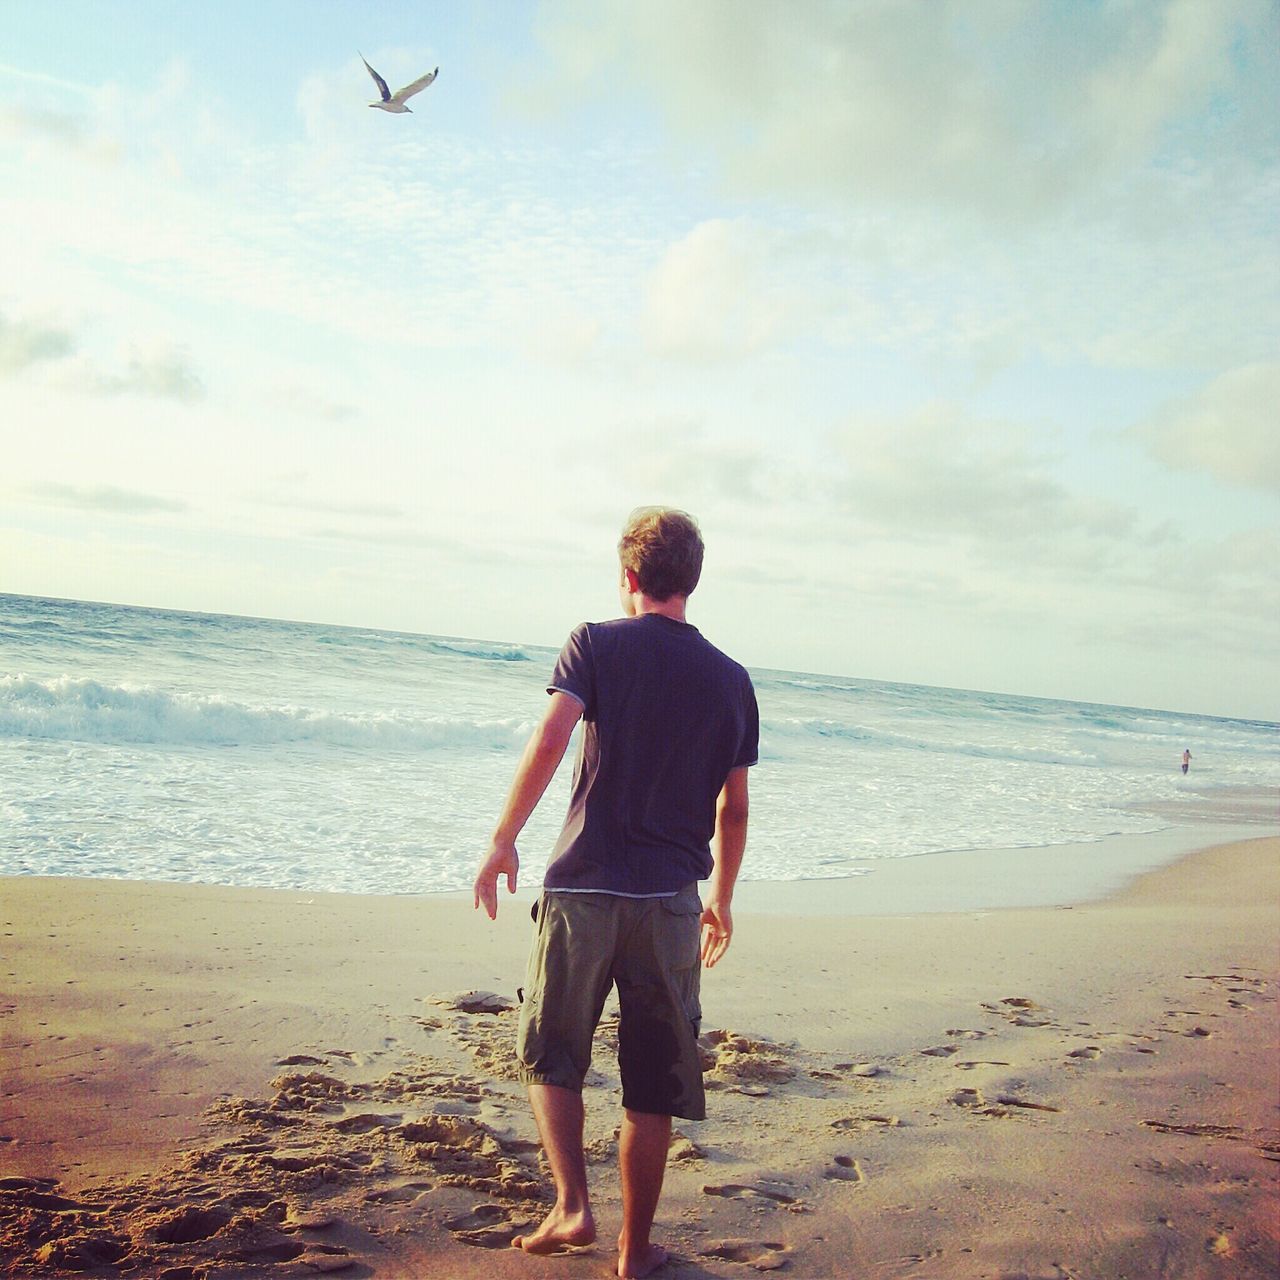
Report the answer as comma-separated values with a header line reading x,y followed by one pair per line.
x,y
307,402
373,510
941,472
43,125
1006,110
562,334
24,343
159,371
713,295
1228,428
106,498
156,369
165,374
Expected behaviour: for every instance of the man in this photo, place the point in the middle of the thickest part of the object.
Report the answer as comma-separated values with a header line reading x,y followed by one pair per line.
x,y
670,727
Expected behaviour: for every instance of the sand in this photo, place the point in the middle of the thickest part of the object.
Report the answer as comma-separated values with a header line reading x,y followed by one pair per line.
x,y
205,1082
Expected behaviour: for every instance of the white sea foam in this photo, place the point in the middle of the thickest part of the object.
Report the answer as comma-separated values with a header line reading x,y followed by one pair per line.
x,y
84,710
776,734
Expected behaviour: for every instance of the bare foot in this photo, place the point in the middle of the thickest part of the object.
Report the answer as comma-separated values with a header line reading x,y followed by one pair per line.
x,y
559,1230
631,1266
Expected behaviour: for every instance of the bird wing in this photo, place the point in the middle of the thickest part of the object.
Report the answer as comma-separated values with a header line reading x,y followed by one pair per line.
x,y
416,87
379,81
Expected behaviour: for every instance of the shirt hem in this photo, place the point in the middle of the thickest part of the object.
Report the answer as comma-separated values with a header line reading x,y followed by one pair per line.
x,y
613,893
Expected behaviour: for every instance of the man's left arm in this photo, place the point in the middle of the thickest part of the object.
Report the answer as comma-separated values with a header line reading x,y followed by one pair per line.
x,y
730,841
537,767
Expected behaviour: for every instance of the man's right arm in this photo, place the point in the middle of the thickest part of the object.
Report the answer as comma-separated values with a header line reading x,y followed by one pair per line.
x,y
537,766
732,811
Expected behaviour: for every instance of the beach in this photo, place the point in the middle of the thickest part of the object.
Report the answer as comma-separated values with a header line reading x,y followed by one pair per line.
x,y
203,1081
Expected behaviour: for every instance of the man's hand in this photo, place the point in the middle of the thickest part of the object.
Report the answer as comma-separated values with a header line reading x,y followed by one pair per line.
x,y
717,929
503,860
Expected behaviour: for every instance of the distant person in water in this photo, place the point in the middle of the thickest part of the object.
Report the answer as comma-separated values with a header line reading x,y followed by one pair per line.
x,y
1186,761
659,802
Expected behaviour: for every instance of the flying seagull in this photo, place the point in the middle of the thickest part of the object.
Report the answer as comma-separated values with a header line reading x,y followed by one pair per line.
x,y
394,102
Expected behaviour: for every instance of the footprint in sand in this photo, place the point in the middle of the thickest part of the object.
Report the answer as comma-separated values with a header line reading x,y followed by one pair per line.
x,y
404,1193
740,1191
973,1100
1087,1053
324,1259
70,1239
488,1226
1021,1011
1009,1100
859,1124
186,1226
846,1169
941,1051
971,1064
308,1220
965,1033
477,1002
763,1255
365,1122
1195,1130
863,1070
742,1064
1257,985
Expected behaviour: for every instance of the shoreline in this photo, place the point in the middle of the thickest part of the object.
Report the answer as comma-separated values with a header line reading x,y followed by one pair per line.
x,y
218,1078
976,879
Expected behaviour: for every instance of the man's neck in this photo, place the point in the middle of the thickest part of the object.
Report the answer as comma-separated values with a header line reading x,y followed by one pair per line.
x,y
672,608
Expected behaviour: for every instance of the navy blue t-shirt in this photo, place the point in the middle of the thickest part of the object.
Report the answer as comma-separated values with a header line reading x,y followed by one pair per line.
x,y
666,716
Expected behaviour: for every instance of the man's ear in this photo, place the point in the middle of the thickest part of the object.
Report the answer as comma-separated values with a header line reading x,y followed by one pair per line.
x,y
632,580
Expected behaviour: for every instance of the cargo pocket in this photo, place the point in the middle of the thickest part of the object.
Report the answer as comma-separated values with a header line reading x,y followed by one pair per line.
x,y
682,932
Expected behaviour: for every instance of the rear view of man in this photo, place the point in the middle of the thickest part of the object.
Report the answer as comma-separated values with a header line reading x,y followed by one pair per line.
x,y
659,802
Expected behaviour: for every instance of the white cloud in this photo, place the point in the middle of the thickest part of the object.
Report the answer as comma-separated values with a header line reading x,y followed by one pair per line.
x,y
943,472
309,402
1005,110
714,294
157,370
1230,428
33,126
371,510
26,342
1167,62
104,498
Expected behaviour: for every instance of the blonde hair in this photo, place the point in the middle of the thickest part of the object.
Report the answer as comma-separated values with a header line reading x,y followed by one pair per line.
x,y
663,548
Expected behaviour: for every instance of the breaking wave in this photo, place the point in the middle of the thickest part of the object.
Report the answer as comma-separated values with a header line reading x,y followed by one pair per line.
x,y
82,710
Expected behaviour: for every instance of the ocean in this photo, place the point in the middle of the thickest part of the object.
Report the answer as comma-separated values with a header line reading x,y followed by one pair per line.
x,y
150,744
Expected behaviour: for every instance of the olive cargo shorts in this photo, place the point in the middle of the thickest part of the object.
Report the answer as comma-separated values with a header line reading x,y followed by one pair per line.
x,y
649,947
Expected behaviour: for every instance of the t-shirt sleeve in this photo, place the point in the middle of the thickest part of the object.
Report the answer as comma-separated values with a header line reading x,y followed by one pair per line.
x,y
575,672
749,747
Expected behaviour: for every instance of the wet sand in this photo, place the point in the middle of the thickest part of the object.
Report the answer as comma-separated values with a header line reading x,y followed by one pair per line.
x,y
203,1082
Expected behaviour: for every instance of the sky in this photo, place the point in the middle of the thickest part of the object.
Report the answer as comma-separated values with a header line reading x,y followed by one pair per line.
x,y
957,325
